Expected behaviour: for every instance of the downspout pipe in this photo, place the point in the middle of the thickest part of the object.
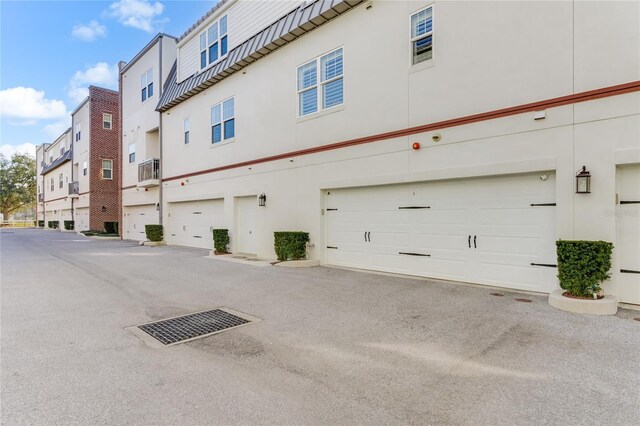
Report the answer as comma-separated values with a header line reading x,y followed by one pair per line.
x,y
160,136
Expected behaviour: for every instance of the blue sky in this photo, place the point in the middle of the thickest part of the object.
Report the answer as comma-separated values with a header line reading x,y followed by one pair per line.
x,y
51,51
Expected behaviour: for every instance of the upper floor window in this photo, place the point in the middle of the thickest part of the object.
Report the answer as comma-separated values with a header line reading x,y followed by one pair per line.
x,y
50,157
78,128
213,43
186,131
84,168
146,84
107,169
52,185
422,35
61,181
315,92
223,124
132,153
107,120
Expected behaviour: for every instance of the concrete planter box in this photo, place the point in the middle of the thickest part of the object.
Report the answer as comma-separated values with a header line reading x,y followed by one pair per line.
x,y
307,263
154,243
606,306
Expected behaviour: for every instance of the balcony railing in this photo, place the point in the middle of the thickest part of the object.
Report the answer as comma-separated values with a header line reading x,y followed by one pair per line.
x,y
149,173
74,188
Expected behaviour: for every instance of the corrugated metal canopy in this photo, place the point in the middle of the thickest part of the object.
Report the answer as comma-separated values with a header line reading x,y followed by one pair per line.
x,y
294,24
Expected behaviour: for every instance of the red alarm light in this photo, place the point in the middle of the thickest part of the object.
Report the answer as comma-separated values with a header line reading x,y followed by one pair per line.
x,y
416,145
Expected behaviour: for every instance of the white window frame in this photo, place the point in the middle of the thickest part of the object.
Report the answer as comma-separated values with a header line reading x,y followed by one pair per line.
x,y
223,120
78,132
61,181
53,185
132,153
146,83
186,130
108,115
412,39
84,168
205,43
319,86
107,168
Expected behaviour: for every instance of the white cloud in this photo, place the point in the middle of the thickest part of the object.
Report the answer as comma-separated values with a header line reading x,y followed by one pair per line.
x,y
23,148
90,31
55,129
140,14
29,104
101,74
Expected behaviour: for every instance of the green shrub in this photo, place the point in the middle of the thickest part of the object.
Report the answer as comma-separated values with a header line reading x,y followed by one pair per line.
x,y
583,266
69,225
291,245
53,224
111,227
91,232
41,223
154,232
220,240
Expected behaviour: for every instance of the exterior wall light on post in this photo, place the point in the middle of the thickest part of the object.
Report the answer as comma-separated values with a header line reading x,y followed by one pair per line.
x,y
583,181
262,200
104,209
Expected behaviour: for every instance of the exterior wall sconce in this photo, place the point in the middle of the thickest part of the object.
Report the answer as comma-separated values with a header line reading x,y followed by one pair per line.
x,y
262,200
583,181
104,209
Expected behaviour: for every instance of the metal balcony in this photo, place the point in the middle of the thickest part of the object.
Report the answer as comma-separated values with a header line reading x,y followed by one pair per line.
x,y
149,173
74,189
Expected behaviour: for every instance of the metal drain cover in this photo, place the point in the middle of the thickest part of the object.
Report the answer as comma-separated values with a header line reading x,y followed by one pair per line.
x,y
193,326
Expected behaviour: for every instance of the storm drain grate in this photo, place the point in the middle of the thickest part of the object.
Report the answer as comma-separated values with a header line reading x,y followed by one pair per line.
x,y
179,329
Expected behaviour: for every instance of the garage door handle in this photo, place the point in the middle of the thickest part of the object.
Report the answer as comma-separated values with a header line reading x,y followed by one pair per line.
x,y
474,242
369,236
469,241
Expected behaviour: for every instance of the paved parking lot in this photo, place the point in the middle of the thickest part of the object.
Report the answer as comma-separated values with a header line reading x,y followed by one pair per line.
x,y
332,346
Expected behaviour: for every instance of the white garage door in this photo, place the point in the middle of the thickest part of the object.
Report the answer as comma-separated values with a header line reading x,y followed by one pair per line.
x,y
135,218
627,247
191,223
82,219
498,231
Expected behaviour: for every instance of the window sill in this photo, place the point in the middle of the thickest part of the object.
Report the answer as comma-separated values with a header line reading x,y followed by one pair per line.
x,y
421,66
319,114
224,142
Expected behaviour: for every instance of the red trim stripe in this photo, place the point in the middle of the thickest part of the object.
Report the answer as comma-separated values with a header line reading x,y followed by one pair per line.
x,y
619,89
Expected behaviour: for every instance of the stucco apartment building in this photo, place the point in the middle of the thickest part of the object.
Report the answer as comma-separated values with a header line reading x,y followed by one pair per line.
x,y
436,139
79,173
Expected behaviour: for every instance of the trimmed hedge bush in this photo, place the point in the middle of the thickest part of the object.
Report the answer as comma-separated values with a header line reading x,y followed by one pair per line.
x,y
290,245
69,225
53,224
583,266
154,233
221,240
111,227
41,223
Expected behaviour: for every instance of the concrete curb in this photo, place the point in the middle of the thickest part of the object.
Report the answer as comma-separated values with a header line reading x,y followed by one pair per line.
x,y
229,258
154,243
298,263
93,237
606,306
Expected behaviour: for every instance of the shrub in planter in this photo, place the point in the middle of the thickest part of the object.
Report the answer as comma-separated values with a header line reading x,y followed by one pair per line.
x,y
53,224
220,240
41,223
69,225
154,232
291,245
583,266
111,227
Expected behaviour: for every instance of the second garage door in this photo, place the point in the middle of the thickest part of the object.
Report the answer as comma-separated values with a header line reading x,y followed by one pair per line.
x,y
498,231
135,218
191,223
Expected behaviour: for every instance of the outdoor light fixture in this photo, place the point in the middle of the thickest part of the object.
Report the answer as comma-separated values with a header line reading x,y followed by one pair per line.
x,y
262,200
583,181
416,146
104,209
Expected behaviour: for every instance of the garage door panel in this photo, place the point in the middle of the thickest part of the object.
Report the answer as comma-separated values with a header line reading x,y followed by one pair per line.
x,y
191,222
135,218
523,276
627,246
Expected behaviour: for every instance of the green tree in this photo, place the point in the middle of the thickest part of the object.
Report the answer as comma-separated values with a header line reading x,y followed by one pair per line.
x,y
17,183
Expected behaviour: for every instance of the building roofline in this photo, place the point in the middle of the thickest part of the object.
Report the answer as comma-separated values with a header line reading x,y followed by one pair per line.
x,y
68,156
144,50
203,18
104,89
80,106
50,144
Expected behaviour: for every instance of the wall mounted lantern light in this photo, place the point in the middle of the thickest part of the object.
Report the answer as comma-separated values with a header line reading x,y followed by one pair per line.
x,y
262,200
104,209
583,181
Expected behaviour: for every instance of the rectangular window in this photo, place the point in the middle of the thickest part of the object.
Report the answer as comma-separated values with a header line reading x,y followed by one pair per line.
x,y
132,153
422,35
78,128
223,123
61,182
61,149
315,92
52,184
84,168
146,85
107,120
213,43
107,169
187,126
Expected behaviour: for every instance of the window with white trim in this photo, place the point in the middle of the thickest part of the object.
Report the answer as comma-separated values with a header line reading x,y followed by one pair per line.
x,y
62,149
107,120
422,35
61,181
316,93
146,85
213,43
107,169
187,126
223,122
84,168
132,153
78,132
52,185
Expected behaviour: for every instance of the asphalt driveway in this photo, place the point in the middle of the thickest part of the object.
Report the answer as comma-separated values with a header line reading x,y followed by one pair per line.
x,y
333,346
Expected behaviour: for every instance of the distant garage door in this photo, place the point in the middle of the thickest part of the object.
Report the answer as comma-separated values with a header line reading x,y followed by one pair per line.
x,y
135,218
82,219
191,223
498,231
627,247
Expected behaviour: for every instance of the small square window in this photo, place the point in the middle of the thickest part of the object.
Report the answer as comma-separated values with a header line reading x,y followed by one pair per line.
x,y
223,121
84,168
107,120
187,127
107,169
132,153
